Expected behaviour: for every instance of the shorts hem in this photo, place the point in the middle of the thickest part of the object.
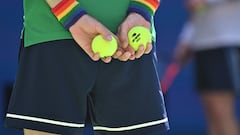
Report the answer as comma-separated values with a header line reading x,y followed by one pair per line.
x,y
44,126
148,128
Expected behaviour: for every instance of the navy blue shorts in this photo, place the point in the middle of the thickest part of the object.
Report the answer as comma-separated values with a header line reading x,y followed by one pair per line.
x,y
58,85
218,69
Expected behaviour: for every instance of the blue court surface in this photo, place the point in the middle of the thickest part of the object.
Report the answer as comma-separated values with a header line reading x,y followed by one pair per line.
x,y
184,108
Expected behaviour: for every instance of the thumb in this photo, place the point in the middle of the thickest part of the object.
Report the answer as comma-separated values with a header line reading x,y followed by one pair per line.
x,y
106,34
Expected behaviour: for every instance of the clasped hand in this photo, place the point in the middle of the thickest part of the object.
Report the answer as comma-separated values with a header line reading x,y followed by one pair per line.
x,y
86,28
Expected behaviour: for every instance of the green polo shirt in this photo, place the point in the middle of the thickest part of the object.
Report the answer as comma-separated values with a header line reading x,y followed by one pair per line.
x,y
40,25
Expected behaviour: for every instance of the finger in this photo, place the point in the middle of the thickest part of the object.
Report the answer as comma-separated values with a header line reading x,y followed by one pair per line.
x,y
107,34
130,49
117,54
132,57
107,59
148,48
125,56
132,52
94,57
140,51
119,51
91,54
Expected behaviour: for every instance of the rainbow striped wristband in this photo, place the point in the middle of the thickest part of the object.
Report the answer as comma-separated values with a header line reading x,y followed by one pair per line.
x,y
68,12
146,8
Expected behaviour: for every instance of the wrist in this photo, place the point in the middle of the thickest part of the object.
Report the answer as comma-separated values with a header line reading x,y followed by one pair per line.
x,y
146,8
67,12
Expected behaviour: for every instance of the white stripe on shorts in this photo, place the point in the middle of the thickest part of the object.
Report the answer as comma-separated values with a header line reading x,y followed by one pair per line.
x,y
75,125
54,122
143,125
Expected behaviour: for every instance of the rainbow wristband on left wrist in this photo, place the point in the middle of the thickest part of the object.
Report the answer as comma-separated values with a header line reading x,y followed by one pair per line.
x,y
68,12
146,8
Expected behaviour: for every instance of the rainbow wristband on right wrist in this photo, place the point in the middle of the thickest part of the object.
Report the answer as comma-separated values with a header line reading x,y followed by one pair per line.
x,y
146,8
68,12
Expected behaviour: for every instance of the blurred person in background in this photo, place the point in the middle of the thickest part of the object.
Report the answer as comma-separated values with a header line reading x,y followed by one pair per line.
x,y
212,36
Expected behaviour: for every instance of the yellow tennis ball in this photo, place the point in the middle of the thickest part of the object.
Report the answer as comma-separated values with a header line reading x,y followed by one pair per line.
x,y
103,47
139,35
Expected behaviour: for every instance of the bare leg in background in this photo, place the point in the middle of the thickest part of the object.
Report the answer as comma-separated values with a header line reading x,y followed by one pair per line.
x,y
220,112
34,132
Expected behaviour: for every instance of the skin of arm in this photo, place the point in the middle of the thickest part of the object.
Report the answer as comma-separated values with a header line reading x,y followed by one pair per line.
x,y
53,3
